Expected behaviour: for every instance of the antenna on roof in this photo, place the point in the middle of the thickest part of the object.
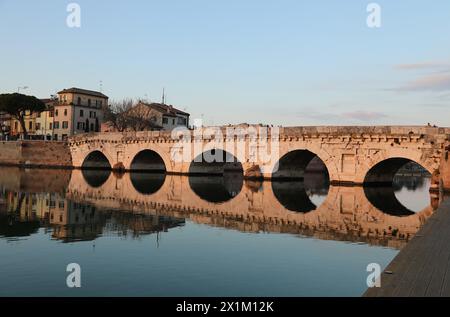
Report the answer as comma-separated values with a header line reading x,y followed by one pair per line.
x,y
164,96
101,86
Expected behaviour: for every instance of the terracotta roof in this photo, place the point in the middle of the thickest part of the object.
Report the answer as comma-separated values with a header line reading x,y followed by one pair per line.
x,y
168,110
83,92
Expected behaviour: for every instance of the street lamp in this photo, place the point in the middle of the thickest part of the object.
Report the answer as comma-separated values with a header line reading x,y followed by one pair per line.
x,y
23,88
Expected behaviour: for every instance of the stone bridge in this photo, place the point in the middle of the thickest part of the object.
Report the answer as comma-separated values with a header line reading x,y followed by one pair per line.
x,y
351,155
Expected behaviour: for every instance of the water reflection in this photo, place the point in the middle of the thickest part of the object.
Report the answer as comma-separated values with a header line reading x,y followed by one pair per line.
x,y
302,196
171,235
82,205
394,200
217,189
96,178
147,183
22,214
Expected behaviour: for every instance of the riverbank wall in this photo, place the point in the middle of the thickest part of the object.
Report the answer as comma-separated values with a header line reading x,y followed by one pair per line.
x,y
35,154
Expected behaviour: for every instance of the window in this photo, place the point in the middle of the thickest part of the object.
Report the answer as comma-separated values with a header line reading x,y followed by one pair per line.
x,y
16,125
101,104
182,121
92,127
92,114
65,112
56,125
173,121
81,113
79,101
65,124
51,114
80,125
61,204
38,115
51,126
89,102
38,125
55,137
30,125
56,113
165,121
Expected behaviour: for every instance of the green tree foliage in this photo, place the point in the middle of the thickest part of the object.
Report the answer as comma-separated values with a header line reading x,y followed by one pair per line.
x,y
19,105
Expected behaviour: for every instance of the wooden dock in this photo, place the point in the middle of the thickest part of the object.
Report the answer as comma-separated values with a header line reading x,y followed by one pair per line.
x,y
422,268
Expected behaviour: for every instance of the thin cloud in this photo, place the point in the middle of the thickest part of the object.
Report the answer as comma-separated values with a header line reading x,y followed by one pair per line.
x,y
436,78
423,65
315,115
364,115
434,82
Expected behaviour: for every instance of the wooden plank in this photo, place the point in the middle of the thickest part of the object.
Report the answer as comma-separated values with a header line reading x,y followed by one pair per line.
x,y
422,268
399,265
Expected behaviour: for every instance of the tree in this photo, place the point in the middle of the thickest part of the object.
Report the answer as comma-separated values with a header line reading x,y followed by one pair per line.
x,y
128,115
17,105
116,114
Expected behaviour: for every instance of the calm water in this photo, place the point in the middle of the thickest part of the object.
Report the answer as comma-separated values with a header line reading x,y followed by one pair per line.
x,y
157,235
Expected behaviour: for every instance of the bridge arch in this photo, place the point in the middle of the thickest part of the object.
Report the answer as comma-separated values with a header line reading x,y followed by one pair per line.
x,y
96,160
384,171
215,162
293,164
216,176
148,161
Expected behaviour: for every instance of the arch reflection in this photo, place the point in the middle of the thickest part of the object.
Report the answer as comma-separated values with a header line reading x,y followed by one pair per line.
x,y
302,195
95,178
217,189
147,183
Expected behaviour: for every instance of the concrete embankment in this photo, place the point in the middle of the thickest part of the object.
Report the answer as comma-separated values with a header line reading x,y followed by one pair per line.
x,y
35,154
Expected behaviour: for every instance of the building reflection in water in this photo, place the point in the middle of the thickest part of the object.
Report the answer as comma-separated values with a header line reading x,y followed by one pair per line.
x,y
83,205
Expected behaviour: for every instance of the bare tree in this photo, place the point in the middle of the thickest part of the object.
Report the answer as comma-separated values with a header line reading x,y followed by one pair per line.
x,y
141,117
130,115
116,113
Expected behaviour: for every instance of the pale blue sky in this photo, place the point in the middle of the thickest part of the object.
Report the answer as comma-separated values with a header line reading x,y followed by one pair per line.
x,y
288,62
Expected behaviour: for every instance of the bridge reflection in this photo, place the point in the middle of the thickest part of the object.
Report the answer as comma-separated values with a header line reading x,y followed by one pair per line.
x,y
82,205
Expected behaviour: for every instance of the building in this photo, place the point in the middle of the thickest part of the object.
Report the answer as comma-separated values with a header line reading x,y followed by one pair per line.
x,y
151,116
5,125
30,124
170,117
78,111
44,120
